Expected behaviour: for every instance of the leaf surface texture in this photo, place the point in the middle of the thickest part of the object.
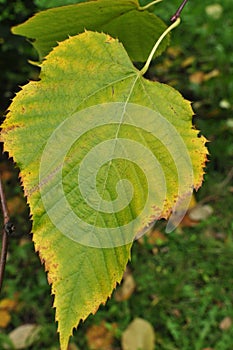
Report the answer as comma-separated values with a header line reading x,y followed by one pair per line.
x,y
83,72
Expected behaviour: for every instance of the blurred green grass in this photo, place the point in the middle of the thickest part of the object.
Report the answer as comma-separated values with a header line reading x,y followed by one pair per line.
x,y
185,289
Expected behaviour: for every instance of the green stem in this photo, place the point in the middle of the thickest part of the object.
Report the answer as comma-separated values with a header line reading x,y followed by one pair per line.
x,y
168,30
142,8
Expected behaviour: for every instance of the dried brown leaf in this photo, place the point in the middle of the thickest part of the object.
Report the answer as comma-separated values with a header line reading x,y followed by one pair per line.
x,y
127,288
225,324
99,337
5,318
197,78
200,213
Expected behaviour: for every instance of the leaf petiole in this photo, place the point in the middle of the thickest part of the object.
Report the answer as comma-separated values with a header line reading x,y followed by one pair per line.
x,y
142,8
168,30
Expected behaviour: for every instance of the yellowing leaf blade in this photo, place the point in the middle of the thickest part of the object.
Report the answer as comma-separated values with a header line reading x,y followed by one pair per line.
x,y
91,96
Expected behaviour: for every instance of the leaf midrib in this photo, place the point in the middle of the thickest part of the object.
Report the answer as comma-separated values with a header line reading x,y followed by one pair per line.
x,y
116,138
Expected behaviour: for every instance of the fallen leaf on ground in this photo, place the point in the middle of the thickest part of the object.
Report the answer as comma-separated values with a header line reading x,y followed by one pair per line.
x,y
174,51
197,77
6,175
213,74
5,318
225,324
225,104
200,77
187,222
214,11
99,337
138,335
188,61
6,305
16,205
24,336
200,213
127,288
196,214
155,238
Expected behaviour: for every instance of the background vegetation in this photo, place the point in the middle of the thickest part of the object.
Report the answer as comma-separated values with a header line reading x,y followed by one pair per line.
x,y
182,281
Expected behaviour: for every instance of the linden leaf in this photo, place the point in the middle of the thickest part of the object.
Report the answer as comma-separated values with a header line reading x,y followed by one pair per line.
x,y
45,4
103,153
123,19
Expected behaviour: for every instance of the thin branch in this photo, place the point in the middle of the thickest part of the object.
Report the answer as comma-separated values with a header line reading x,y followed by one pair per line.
x,y
178,12
218,189
226,181
7,228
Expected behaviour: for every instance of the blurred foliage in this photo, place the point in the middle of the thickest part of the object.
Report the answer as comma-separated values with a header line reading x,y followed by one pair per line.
x,y
200,65
185,288
14,51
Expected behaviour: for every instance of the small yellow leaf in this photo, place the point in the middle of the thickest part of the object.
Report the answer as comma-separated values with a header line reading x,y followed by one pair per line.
x,y
5,318
197,78
214,11
213,74
8,304
188,61
225,104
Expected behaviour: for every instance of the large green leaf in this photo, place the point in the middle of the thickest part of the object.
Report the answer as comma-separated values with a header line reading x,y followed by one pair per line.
x,y
90,122
46,4
123,19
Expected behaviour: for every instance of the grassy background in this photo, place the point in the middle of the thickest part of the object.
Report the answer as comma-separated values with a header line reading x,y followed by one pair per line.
x,y
183,283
